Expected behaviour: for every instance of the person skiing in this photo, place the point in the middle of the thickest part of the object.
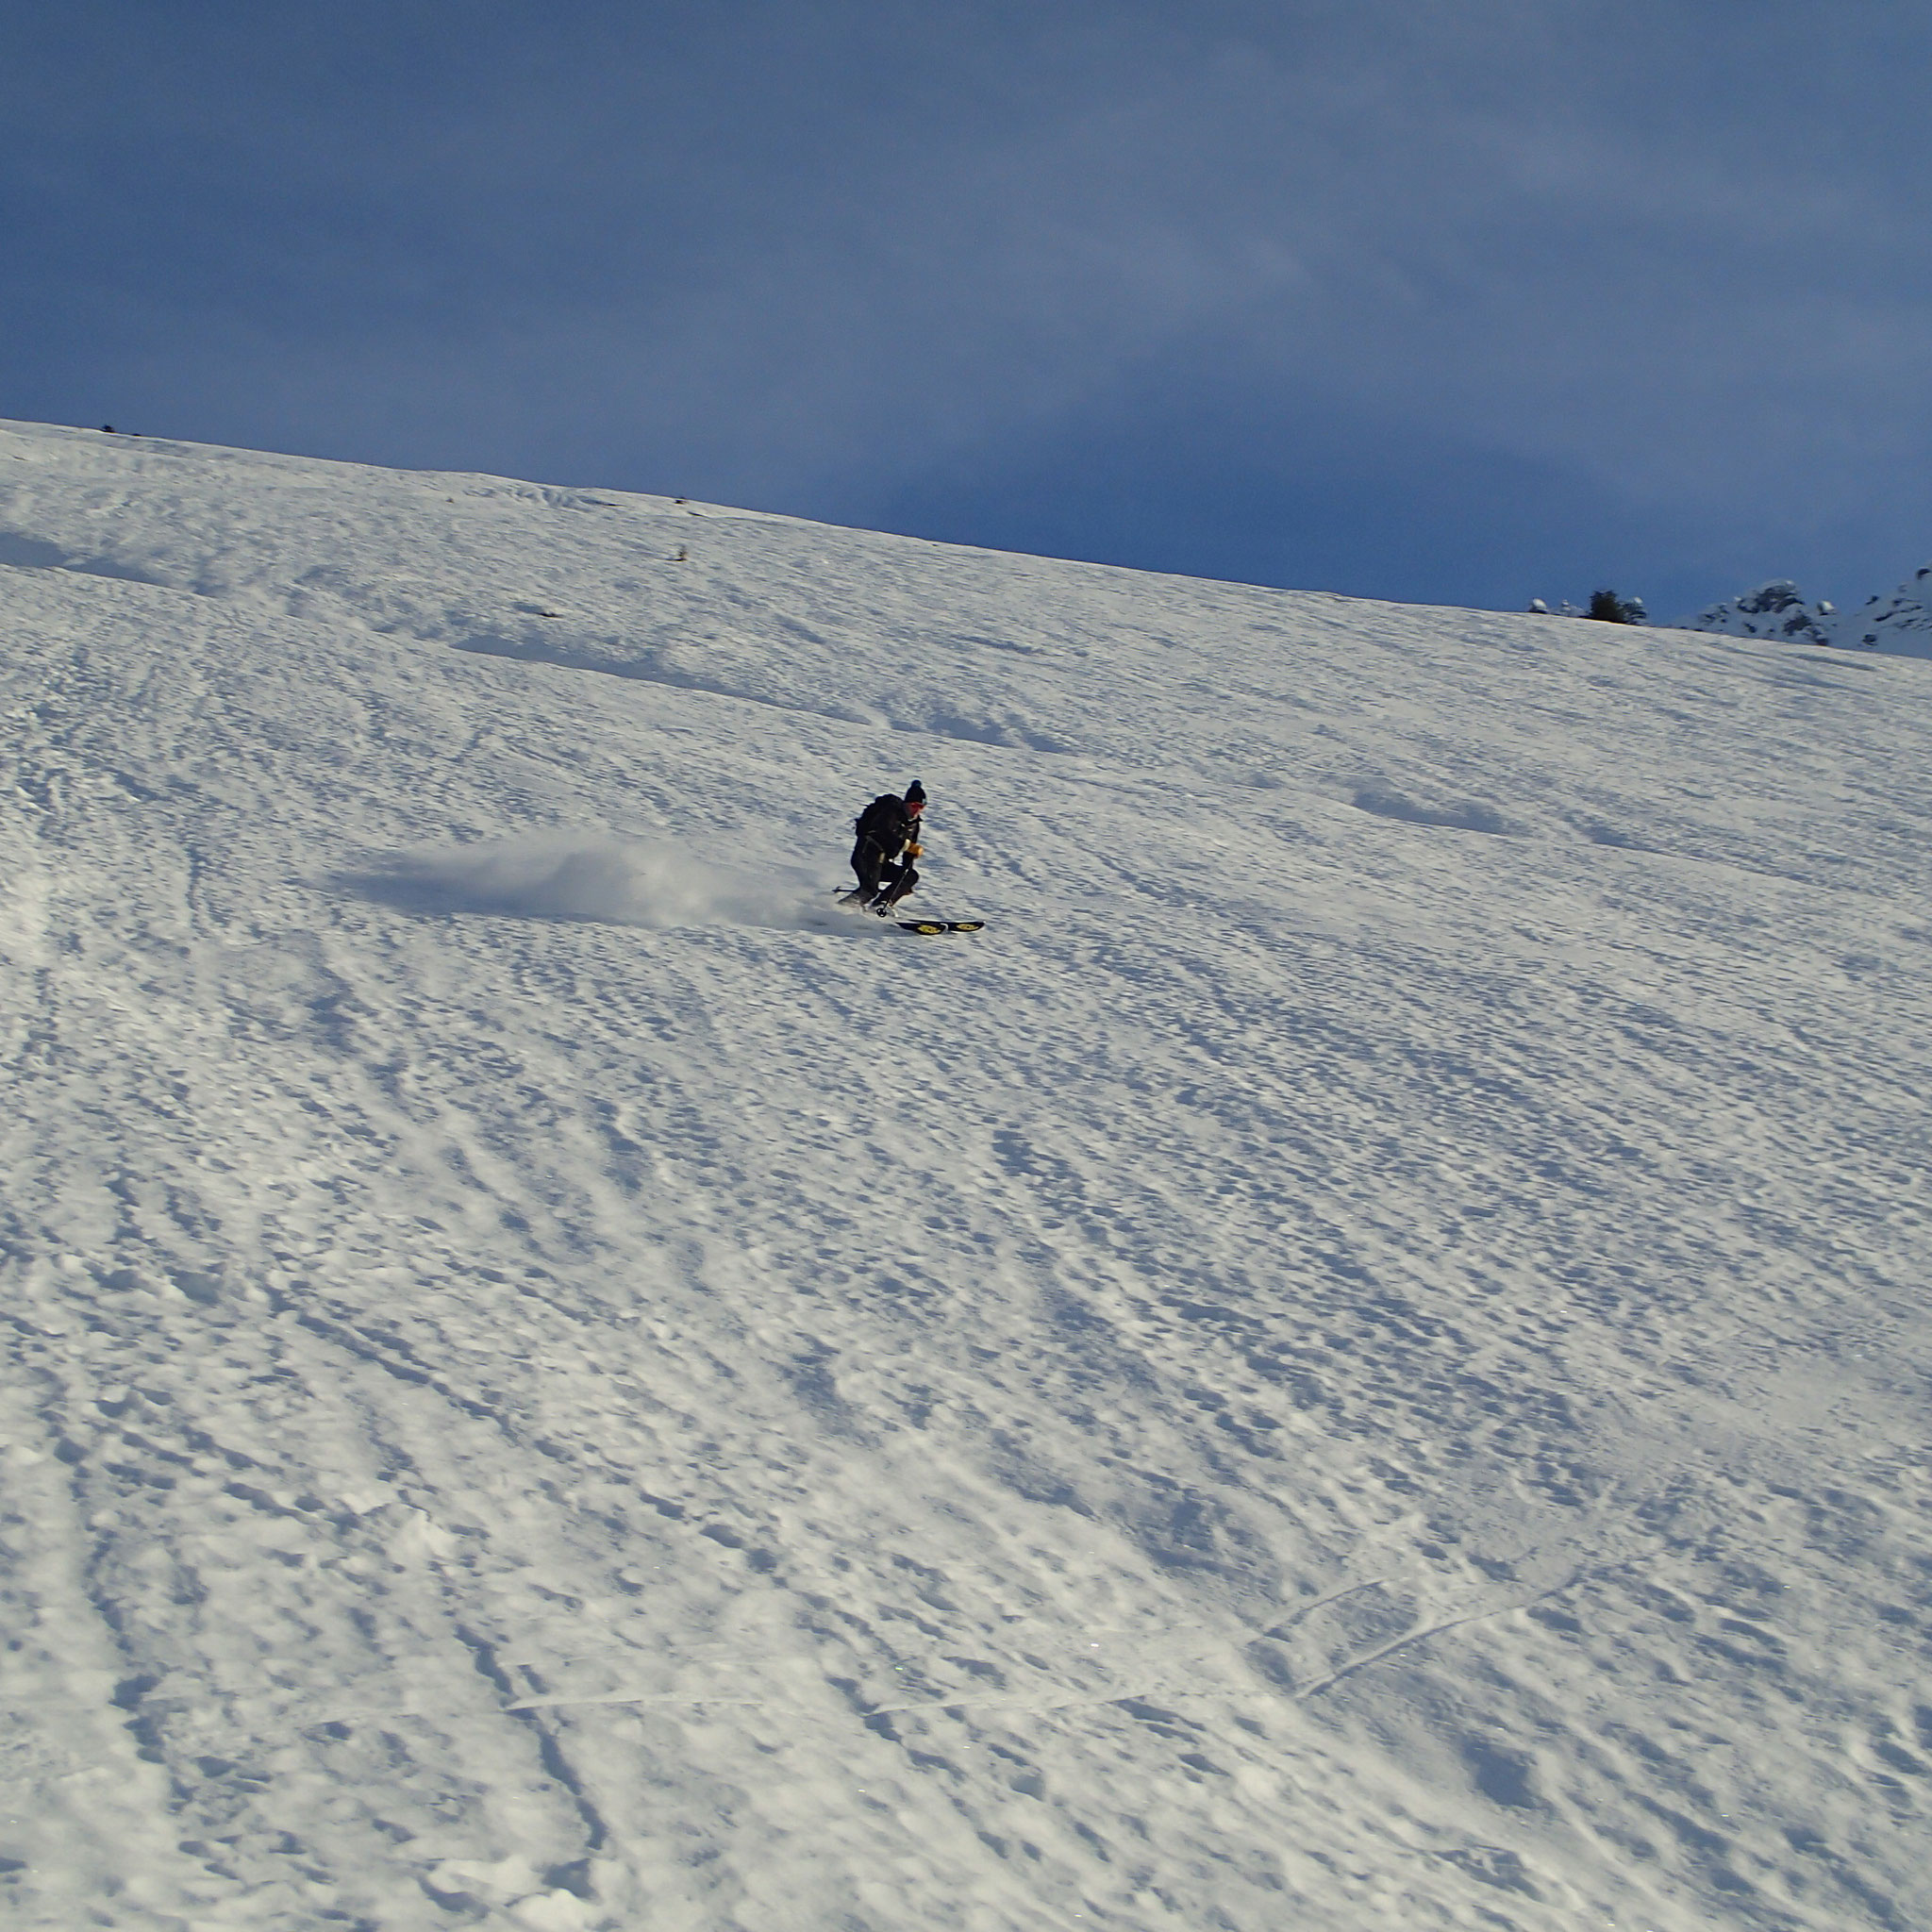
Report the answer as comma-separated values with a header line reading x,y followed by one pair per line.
x,y
886,845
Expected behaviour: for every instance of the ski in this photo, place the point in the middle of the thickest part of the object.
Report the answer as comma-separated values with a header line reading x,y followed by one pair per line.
x,y
926,928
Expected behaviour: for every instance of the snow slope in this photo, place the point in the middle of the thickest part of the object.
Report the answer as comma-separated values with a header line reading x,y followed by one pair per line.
x,y
1359,1360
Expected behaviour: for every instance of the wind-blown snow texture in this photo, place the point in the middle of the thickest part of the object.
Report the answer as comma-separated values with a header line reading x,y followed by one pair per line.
x,y
1359,1360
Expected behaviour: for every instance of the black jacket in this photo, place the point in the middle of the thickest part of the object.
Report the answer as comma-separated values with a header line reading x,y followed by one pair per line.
x,y
889,825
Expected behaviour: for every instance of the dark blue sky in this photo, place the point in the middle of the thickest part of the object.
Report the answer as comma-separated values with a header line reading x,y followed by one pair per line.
x,y
1463,301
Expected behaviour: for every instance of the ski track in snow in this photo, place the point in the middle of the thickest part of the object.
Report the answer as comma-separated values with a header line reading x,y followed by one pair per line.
x,y
1358,1360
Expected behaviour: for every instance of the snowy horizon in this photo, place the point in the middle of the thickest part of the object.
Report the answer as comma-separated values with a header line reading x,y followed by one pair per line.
x,y
1358,1358
1897,623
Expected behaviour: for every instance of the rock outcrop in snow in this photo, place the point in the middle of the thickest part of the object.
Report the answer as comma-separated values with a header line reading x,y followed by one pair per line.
x,y
1773,610
1901,623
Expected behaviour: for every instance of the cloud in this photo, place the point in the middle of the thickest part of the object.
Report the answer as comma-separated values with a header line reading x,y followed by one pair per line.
x,y
813,257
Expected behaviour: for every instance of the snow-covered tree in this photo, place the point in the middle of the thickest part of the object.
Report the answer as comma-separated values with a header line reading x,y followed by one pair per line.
x,y
1608,607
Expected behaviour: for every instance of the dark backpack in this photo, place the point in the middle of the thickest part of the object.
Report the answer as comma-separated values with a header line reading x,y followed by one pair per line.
x,y
885,821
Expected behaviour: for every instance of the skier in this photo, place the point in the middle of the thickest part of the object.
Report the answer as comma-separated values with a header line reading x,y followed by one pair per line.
x,y
886,844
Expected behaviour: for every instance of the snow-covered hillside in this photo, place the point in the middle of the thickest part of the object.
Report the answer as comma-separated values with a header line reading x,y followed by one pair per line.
x,y
1359,1360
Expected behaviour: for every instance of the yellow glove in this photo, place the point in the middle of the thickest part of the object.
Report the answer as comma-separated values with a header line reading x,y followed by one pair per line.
x,y
914,851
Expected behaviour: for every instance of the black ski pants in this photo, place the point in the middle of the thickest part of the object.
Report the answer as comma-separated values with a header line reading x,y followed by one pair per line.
x,y
880,877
